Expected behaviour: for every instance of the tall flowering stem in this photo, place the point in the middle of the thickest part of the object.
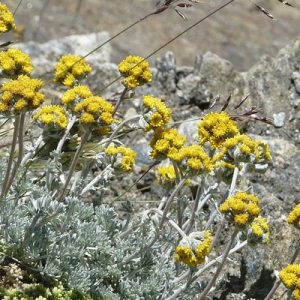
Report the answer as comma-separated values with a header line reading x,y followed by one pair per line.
x,y
122,97
11,157
169,201
73,164
21,151
219,269
278,281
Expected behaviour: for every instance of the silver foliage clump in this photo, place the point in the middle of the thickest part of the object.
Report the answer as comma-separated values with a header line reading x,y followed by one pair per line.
x,y
80,245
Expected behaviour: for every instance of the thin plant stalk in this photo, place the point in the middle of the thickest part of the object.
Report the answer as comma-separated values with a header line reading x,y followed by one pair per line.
x,y
230,193
11,156
220,267
125,90
21,151
169,201
73,164
64,138
185,275
278,281
31,153
190,223
94,181
113,135
172,223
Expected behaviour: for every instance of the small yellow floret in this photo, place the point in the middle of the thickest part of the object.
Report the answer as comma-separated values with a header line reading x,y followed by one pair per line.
x,y
7,21
53,115
71,68
259,230
242,146
242,208
290,277
215,128
193,252
167,144
74,95
135,70
196,159
158,114
94,111
14,62
21,94
166,174
294,216
127,156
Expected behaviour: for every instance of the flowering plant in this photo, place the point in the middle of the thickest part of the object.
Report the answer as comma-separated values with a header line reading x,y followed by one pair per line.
x,y
69,230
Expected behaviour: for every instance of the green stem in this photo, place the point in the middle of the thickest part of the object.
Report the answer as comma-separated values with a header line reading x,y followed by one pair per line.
x,y
11,156
73,164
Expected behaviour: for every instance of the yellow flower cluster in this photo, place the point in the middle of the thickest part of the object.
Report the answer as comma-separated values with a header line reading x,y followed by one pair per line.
x,y
192,252
7,21
242,148
167,144
290,277
158,115
53,115
21,94
127,156
166,174
242,208
71,68
294,216
135,70
196,158
74,95
215,128
94,110
259,230
15,62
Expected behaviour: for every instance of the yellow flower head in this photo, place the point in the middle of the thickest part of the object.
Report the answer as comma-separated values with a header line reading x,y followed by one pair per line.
x,y
215,128
135,70
51,115
195,159
74,95
241,148
94,111
71,68
7,21
294,216
15,62
167,144
290,277
241,208
166,174
158,114
259,231
21,94
193,250
125,157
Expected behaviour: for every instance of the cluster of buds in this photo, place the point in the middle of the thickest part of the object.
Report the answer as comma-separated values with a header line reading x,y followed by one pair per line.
x,y
193,249
135,71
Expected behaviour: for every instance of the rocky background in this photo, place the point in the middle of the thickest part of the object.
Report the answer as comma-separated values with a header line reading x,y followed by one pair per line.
x,y
190,87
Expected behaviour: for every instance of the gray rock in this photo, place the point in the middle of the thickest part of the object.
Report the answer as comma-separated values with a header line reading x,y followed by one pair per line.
x,y
212,76
279,119
166,72
45,55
